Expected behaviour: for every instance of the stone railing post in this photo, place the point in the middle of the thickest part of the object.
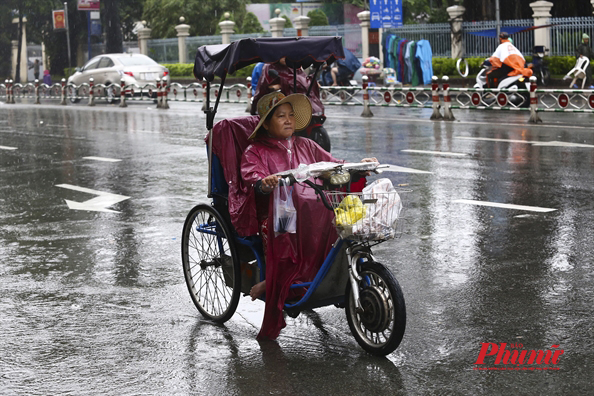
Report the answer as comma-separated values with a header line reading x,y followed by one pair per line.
x,y
364,17
456,13
301,23
277,24
541,14
144,34
183,31
227,29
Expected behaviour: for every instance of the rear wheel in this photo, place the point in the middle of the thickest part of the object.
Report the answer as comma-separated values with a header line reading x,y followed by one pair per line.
x,y
210,263
320,136
379,326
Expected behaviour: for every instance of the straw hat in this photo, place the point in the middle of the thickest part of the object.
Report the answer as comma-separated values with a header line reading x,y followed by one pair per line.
x,y
300,103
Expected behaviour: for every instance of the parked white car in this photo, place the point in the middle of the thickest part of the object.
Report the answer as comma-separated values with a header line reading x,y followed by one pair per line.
x,y
109,69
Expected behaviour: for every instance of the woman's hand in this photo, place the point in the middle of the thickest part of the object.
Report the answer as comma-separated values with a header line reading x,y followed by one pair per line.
x,y
372,159
269,183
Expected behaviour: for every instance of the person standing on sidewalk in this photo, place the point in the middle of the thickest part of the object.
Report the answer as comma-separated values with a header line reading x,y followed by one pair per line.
x,y
584,49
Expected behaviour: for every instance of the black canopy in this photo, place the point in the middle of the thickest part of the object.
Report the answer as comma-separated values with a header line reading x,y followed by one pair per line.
x,y
217,60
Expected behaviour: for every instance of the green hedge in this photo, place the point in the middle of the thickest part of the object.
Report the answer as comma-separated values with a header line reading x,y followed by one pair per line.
x,y
186,70
447,67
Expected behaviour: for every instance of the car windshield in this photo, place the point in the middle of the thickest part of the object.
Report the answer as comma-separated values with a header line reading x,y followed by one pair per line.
x,y
137,61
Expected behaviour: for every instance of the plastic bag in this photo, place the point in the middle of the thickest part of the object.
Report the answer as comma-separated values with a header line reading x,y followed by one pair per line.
x,y
284,213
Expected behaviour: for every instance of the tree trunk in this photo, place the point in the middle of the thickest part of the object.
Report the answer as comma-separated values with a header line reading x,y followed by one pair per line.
x,y
113,28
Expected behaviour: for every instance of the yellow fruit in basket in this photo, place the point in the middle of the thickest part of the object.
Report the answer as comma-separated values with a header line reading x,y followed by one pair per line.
x,y
356,214
351,212
341,217
350,201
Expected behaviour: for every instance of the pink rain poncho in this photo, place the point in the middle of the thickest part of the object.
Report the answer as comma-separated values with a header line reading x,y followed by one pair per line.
x,y
290,258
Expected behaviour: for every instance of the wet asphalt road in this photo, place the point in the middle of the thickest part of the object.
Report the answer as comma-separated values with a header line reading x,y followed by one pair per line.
x,y
95,302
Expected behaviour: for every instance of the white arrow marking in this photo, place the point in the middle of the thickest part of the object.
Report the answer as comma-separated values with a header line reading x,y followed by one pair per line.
x,y
504,206
102,159
97,204
436,153
7,148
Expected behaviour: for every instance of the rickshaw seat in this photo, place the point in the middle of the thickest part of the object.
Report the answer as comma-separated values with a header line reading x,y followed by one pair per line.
x,y
229,141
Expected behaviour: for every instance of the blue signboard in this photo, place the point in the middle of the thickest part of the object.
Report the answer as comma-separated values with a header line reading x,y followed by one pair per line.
x,y
385,13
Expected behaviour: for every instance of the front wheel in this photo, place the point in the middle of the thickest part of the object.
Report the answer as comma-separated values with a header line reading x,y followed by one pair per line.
x,y
211,264
379,326
545,77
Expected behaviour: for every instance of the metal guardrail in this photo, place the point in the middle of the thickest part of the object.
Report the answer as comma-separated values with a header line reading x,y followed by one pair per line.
x,y
438,98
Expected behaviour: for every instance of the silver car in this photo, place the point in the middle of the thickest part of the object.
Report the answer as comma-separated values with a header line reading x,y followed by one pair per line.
x,y
111,68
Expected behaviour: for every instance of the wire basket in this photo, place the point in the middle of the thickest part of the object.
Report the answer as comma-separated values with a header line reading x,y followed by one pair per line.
x,y
368,216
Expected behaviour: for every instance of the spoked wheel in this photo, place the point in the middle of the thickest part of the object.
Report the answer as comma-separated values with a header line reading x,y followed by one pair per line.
x,y
379,327
211,265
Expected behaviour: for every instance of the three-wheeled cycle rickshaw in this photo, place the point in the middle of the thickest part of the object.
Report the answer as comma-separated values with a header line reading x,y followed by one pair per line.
x,y
220,262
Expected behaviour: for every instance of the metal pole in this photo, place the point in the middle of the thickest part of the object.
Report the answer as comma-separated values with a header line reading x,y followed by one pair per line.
x,y
497,18
67,33
89,34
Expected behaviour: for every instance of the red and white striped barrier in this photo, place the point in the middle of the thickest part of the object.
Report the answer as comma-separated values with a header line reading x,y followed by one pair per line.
x,y
366,109
91,92
435,99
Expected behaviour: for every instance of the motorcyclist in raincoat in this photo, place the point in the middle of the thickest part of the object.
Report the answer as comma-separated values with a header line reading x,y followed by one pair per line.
x,y
290,257
506,61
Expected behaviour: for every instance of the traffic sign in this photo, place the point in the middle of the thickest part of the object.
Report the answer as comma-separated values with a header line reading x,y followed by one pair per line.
x,y
563,100
387,97
385,13
410,97
502,99
476,99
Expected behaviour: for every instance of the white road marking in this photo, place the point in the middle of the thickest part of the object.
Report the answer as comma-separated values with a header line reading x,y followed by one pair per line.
x,y
97,204
427,121
102,159
7,148
494,139
447,153
504,206
554,143
400,169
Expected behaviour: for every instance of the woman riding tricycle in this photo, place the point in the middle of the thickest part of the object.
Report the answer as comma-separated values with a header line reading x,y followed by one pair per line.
x,y
271,230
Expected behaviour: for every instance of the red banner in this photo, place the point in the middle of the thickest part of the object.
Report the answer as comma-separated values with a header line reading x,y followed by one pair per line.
x,y
59,20
89,5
